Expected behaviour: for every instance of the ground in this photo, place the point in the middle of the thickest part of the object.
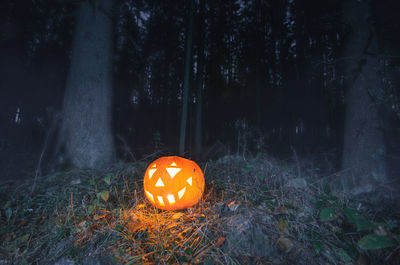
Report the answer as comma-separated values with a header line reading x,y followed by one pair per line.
x,y
255,210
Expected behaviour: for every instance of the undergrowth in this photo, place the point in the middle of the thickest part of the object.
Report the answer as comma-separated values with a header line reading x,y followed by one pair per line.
x,y
77,214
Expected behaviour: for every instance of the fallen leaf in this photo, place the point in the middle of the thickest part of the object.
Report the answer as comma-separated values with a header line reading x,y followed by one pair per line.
x,y
24,238
39,220
105,195
107,179
285,243
220,241
233,206
282,226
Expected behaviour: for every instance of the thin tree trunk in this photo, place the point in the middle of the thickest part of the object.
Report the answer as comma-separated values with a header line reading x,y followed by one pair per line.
x,y
86,130
363,152
186,81
200,82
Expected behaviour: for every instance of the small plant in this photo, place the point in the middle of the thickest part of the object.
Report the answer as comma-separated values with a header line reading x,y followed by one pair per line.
x,y
369,235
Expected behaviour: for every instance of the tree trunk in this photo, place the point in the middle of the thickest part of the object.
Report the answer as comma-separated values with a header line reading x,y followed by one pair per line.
x,y
200,82
186,81
363,152
86,129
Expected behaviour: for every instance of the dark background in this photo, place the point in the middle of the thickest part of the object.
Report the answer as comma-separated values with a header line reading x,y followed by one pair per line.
x,y
273,77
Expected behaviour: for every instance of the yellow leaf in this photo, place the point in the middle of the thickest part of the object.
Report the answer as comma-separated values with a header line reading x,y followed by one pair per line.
x,y
282,226
285,243
24,238
105,195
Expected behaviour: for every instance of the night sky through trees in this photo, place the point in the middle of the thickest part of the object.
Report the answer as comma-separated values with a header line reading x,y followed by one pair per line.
x,y
265,76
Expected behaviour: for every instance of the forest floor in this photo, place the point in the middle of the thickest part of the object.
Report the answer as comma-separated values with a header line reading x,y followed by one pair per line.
x,y
257,210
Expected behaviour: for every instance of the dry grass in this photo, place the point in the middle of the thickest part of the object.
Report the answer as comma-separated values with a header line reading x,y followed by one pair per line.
x,y
150,236
78,214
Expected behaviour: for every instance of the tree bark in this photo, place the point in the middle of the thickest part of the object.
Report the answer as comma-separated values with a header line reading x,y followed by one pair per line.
x,y
86,129
186,81
363,152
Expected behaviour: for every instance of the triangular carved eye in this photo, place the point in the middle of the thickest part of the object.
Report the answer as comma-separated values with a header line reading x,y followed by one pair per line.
x,y
173,164
151,172
159,183
189,180
172,171
154,165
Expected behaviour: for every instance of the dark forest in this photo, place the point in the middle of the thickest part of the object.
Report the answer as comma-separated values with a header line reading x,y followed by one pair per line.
x,y
289,108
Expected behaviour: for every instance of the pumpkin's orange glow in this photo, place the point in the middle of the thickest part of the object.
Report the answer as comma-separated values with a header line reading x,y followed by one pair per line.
x,y
173,183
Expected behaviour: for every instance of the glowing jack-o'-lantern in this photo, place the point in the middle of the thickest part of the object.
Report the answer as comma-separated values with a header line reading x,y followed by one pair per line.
x,y
173,183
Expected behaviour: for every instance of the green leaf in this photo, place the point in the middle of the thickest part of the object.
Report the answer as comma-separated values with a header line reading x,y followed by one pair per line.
x,y
327,214
107,179
373,241
360,221
104,195
92,182
343,255
317,248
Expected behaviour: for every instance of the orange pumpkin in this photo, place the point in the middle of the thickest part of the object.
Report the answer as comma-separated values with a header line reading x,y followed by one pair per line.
x,y
173,183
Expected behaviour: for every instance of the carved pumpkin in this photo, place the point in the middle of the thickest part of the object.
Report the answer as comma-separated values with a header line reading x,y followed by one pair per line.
x,y
173,183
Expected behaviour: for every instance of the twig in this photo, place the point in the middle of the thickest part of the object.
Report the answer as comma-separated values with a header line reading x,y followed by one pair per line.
x,y
126,148
38,167
72,206
55,117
